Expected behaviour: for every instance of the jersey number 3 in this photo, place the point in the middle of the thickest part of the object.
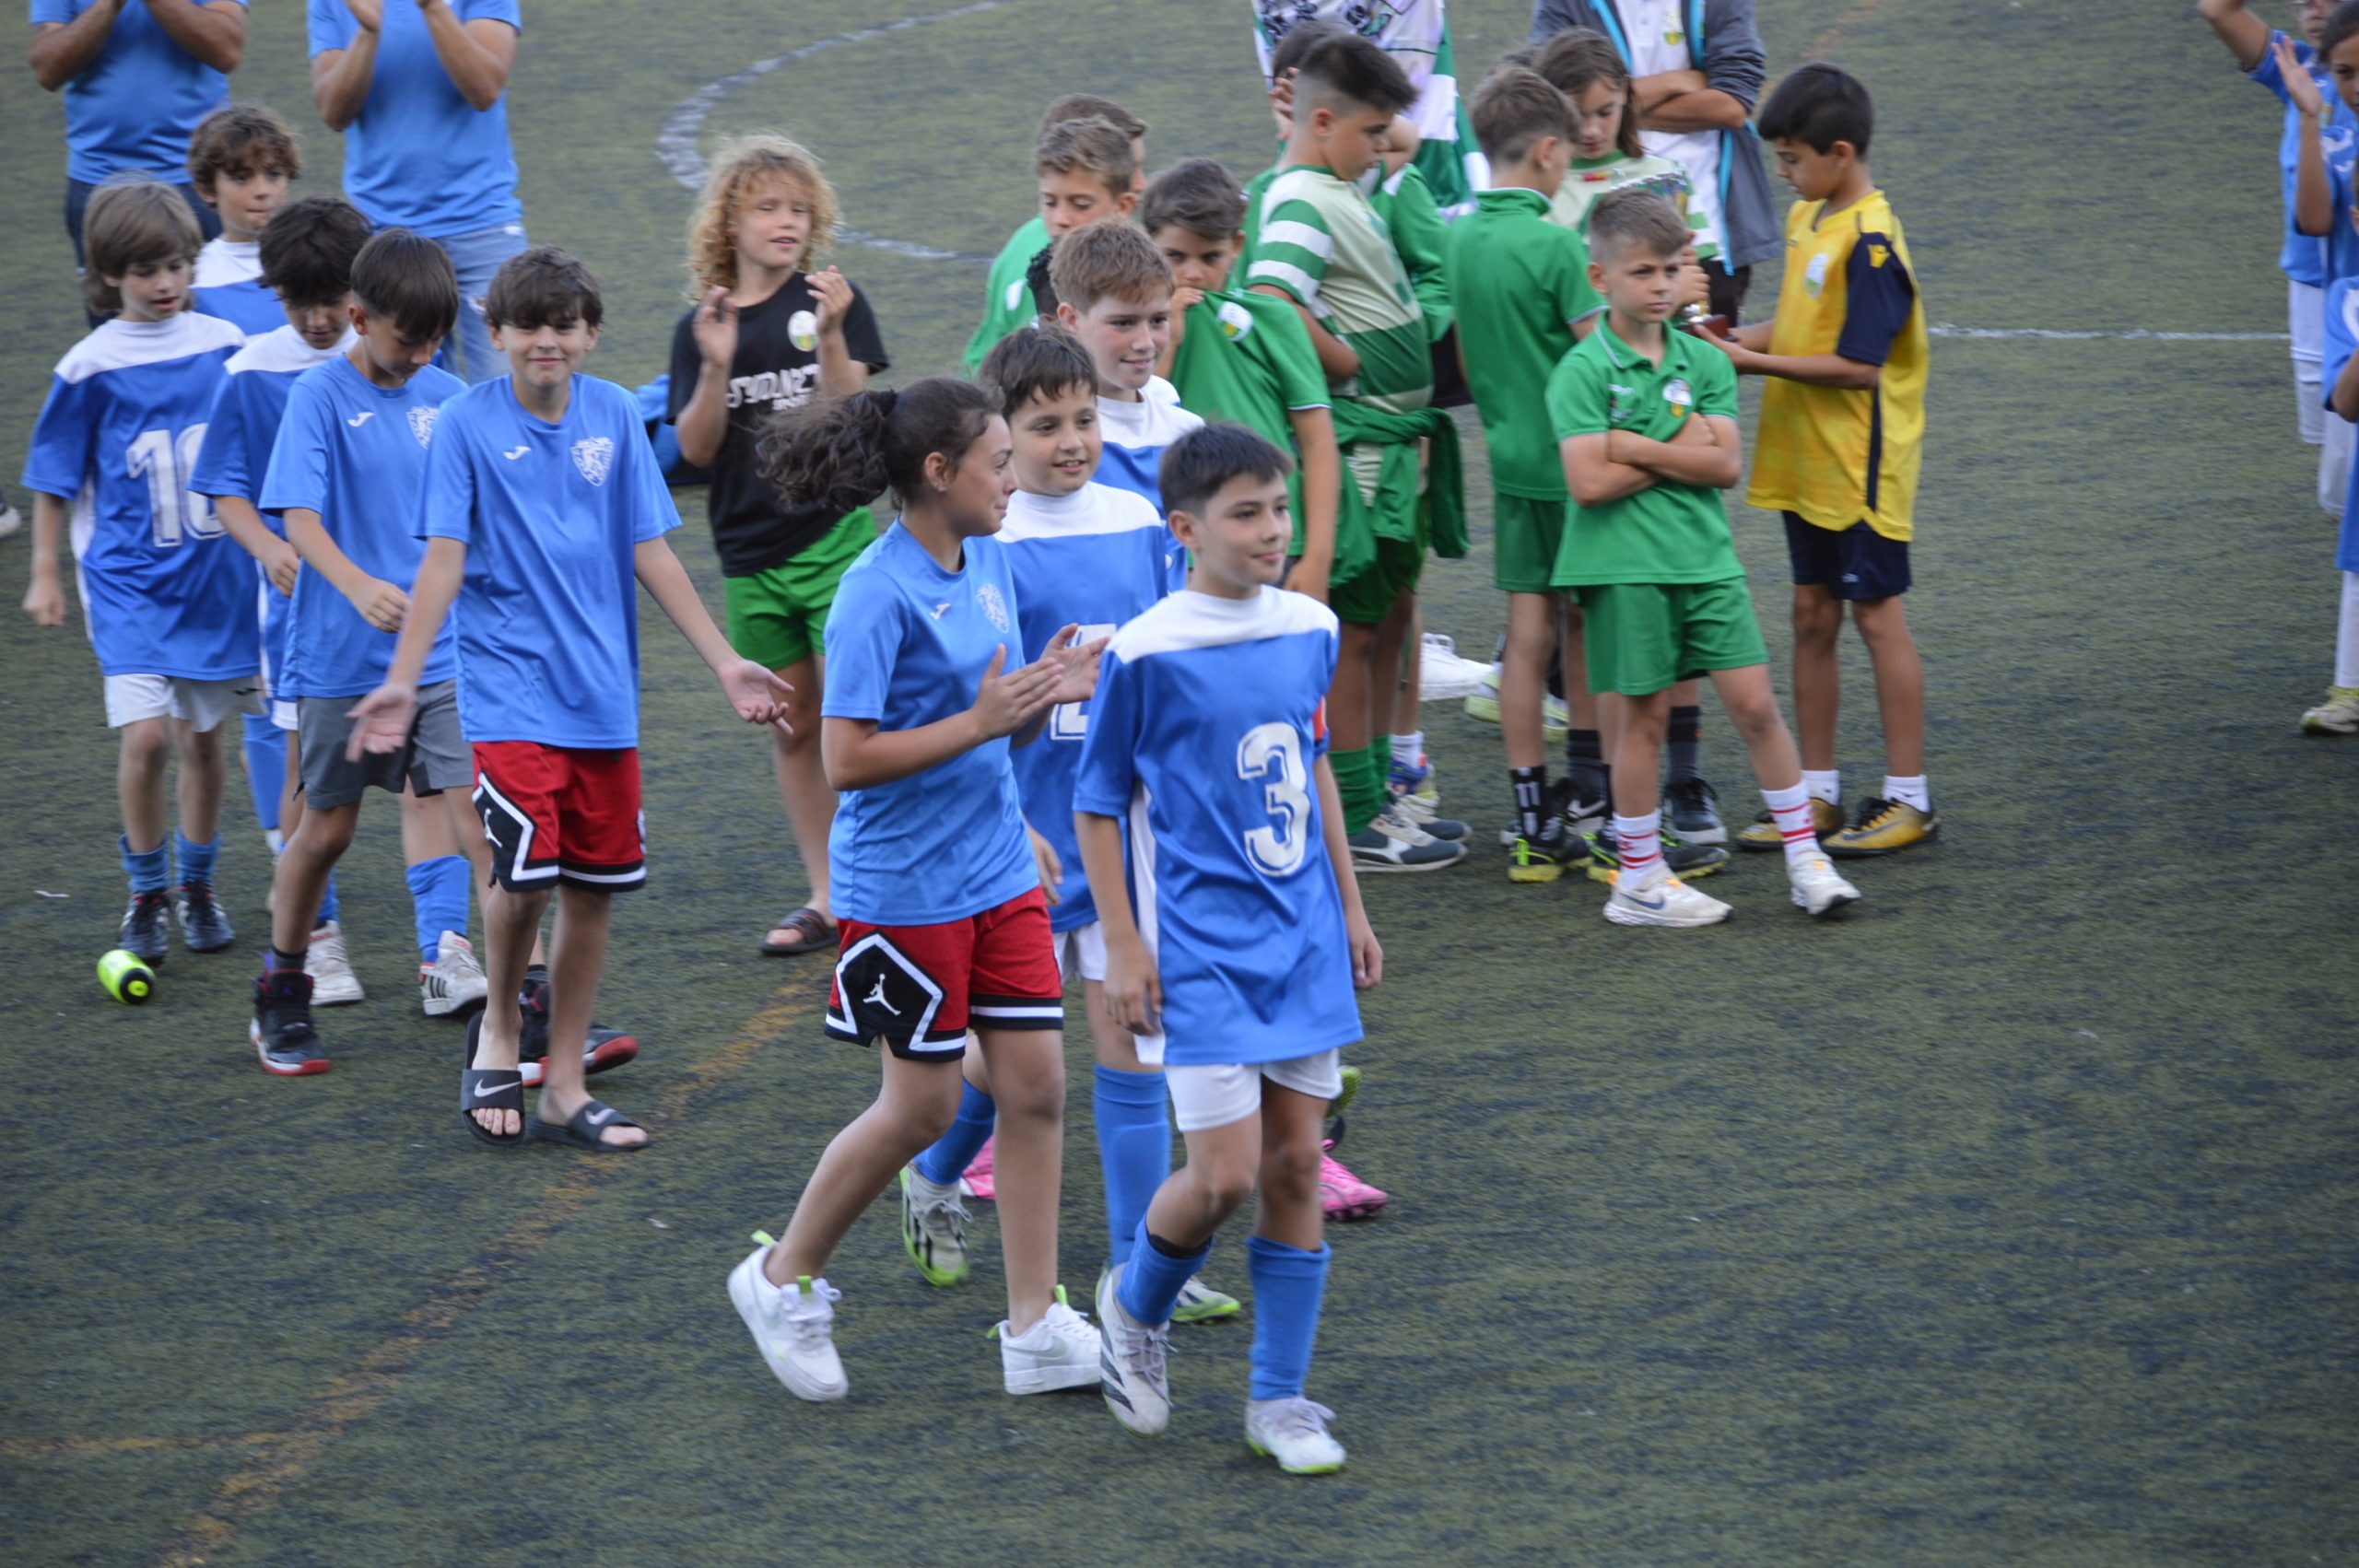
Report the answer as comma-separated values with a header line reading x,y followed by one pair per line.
x,y
179,512
1273,753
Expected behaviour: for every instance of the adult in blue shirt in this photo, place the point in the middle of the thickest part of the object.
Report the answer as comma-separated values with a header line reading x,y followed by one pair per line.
x,y
138,75
418,88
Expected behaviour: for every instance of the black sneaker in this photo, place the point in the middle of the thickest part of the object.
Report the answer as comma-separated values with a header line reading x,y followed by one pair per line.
x,y
1560,803
1693,806
1685,862
146,930
204,926
601,1048
282,1032
1542,859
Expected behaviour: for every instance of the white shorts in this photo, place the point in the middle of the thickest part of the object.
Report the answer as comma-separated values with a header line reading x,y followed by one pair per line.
x,y
1082,951
2334,463
2306,324
284,713
1206,1097
205,703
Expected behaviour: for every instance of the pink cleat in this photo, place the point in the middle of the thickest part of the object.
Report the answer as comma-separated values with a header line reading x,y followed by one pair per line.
x,y
1341,1195
977,1183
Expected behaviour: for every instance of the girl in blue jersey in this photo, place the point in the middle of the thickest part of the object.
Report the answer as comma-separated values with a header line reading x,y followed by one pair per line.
x,y
1238,966
942,922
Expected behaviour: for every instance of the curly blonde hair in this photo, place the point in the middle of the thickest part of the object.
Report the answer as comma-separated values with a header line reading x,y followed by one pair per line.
x,y
740,165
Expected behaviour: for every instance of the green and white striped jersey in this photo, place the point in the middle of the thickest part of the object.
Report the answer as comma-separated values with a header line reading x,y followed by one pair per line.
x,y
1322,244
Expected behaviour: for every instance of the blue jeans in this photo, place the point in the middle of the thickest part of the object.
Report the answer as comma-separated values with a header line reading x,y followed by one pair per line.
x,y
475,257
77,201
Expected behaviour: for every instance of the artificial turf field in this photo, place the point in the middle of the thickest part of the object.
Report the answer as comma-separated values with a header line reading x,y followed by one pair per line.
x,y
2010,1220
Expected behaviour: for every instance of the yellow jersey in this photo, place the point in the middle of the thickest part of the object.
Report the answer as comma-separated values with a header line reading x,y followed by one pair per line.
x,y
1831,455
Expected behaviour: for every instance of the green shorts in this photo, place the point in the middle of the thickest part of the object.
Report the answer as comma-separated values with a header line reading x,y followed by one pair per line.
x,y
1524,536
1645,637
1370,597
778,616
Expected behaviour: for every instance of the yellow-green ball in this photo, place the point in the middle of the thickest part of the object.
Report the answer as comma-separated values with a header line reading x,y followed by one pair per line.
x,y
126,979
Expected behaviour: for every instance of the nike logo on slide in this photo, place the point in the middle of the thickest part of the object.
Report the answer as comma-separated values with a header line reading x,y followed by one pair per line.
x,y
362,418
602,1117
484,1093
512,453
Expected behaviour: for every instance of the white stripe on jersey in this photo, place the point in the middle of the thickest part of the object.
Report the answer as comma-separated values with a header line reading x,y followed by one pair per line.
x,y
284,351
1094,508
122,346
226,262
1302,236
1189,619
1294,278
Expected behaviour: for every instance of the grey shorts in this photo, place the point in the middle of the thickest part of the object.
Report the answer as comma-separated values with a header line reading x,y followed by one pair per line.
x,y
436,758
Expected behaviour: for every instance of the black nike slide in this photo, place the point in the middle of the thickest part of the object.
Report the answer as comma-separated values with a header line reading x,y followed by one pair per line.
x,y
487,1089
582,1129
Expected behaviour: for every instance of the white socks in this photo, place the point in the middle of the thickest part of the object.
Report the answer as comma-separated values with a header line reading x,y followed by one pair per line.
x,y
1638,842
1908,792
1791,808
1827,786
1408,748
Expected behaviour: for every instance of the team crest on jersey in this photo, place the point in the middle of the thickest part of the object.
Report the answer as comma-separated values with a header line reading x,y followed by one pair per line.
x,y
1676,392
1879,255
994,607
594,457
1235,321
1815,275
421,423
803,331
1620,400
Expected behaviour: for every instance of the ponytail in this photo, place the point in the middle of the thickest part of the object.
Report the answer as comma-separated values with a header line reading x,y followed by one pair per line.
x,y
840,453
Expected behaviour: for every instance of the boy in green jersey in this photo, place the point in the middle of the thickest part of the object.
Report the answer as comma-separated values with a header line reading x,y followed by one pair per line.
x,y
1245,358
1325,251
1069,197
1646,419
1525,299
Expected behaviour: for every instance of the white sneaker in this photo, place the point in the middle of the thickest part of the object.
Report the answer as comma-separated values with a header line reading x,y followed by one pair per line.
x,y
1130,1368
1294,1433
455,982
1818,887
1444,675
1062,1351
333,982
793,1327
1392,843
934,1228
11,518
1661,899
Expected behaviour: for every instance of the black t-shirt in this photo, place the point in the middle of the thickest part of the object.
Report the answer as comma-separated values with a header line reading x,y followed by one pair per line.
x,y
753,529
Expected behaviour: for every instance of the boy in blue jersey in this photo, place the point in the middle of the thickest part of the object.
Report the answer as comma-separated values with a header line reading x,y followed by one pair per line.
x,y
2339,714
1236,954
167,603
344,474
1114,294
2323,190
241,162
308,252
942,920
1084,554
542,504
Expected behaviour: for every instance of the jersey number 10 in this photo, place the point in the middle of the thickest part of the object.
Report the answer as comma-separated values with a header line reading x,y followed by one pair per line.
x,y
166,463
1273,753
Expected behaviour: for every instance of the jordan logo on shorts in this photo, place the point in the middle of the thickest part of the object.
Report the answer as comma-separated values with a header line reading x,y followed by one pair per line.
x,y
875,998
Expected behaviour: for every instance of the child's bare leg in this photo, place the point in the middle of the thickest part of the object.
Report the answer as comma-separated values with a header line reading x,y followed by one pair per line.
x,y
579,957
1640,723
802,782
915,1106
1384,666
1223,1164
511,924
1818,681
320,838
1293,1133
1523,677
1027,1073
1581,705
1347,704
203,776
1753,708
140,772
1900,683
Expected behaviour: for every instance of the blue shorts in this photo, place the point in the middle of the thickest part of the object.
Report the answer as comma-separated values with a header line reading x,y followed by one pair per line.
x,y
1854,562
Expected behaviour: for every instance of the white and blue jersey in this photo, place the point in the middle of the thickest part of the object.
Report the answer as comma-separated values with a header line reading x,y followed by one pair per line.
x,y
229,285
134,108
419,155
2341,341
1097,558
355,453
552,516
164,592
2305,257
1206,736
908,644
237,453
1136,434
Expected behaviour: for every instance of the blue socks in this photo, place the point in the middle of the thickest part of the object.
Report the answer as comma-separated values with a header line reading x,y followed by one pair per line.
x,y
956,1150
195,860
265,748
1154,1278
438,892
1133,1150
146,867
1288,1286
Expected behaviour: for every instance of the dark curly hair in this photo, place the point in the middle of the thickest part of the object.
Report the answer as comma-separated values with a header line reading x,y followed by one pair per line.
x,y
840,453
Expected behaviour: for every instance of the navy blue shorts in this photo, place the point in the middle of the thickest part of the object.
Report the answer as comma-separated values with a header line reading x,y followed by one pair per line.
x,y
1856,563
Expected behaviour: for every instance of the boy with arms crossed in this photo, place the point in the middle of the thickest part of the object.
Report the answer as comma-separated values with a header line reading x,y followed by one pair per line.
x,y
1077,186
767,335
167,603
1237,969
1842,433
1646,418
542,505
241,162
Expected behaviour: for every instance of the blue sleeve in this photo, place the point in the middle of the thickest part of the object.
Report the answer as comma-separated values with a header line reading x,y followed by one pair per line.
x,y
221,461
446,502
2266,73
330,24
507,11
298,459
45,12
863,640
59,459
2342,335
652,513
1109,767
1879,297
